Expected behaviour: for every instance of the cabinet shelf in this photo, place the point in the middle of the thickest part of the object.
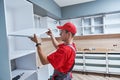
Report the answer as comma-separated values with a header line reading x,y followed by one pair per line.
x,y
26,73
28,32
18,54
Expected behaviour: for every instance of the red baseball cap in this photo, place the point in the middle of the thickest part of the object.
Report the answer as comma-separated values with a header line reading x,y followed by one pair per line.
x,y
69,27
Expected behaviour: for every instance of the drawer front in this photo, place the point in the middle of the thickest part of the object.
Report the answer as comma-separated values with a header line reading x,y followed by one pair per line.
x,y
78,68
93,61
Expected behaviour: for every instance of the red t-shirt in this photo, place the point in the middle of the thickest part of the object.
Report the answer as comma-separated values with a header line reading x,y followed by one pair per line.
x,y
63,58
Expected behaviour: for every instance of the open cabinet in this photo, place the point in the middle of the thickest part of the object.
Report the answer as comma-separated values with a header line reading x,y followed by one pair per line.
x,y
21,54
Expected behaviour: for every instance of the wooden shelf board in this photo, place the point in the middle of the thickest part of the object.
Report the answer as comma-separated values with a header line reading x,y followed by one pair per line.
x,y
26,73
17,54
28,32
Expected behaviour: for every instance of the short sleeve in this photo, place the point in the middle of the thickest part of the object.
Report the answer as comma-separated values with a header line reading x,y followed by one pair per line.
x,y
58,58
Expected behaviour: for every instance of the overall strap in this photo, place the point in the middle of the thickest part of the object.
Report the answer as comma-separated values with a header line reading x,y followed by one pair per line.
x,y
71,46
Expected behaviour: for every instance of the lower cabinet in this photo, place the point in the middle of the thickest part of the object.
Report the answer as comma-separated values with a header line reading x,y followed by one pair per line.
x,y
23,65
79,63
100,62
114,63
45,72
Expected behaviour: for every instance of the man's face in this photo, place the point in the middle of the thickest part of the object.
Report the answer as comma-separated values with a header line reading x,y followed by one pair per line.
x,y
64,35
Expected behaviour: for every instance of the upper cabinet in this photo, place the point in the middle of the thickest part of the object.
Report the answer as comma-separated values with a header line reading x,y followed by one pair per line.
x,y
45,23
112,23
93,25
77,22
87,25
96,24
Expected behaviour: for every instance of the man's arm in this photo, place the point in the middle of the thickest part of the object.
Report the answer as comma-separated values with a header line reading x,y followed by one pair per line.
x,y
42,56
54,41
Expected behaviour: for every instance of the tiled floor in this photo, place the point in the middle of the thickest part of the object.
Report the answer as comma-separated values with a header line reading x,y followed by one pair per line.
x,y
89,76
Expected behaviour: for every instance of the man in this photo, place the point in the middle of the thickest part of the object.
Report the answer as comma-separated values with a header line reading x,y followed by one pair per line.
x,y
64,57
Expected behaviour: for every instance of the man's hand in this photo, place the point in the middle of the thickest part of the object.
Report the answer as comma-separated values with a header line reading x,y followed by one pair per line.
x,y
35,39
49,32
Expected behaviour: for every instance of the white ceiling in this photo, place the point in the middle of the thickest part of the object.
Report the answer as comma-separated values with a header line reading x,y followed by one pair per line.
x,y
63,3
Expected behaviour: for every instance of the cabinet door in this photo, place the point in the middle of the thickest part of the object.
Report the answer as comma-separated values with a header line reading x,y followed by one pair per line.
x,y
112,23
98,24
43,73
113,63
77,22
86,25
95,62
52,24
79,62
93,25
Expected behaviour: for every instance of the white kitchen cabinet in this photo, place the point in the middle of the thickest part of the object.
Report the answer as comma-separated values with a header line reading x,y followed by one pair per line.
x,y
93,25
77,22
106,63
79,66
87,25
46,23
95,62
52,24
112,23
21,51
96,24
114,63
29,32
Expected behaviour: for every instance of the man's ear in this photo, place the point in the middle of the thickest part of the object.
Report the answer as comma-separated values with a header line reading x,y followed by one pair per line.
x,y
69,33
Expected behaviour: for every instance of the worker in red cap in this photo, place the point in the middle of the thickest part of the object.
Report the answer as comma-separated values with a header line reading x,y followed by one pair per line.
x,y
63,58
